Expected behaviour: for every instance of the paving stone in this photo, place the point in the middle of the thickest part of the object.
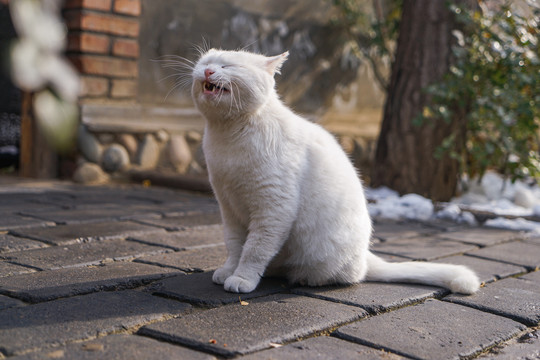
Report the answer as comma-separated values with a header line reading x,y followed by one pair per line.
x,y
372,296
392,230
94,197
422,248
10,243
435,329
188,208
532,276
526,347
534,239
239,329
487,270
78,318
175,223
517,299
481,236
516,252
444,225
8,269
322,348
7,302
76,233
53,284
118,347
193,238
195,260
91,214
200,290
16,221
92,253
390,257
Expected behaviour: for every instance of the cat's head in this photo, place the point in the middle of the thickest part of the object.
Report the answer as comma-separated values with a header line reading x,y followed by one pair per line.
x,y
232,83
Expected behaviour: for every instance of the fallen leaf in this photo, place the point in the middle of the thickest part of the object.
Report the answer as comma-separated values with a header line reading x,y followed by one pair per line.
x,y
243,303
58,354
92,347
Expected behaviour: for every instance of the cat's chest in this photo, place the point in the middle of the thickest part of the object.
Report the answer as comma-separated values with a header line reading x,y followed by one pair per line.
x,y
235,162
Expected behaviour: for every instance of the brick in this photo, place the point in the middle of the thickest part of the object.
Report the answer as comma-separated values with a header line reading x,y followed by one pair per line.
x,y
18,221
77,233
9,243
182,222
322,348
128,7
374,297
124,88
119,347
78,318
199,237
105,66
433,329
487,270
422,248
94,86
125,47
525,347
514,298
92,214
532,276
238,329
206,206
78,255
103,5
517,253
102,23
197,260
88,43
198,289
388,230
8,269
7,302
49,285
481,236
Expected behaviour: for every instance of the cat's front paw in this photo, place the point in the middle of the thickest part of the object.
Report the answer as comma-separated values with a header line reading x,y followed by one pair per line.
x,y
237,284
221,274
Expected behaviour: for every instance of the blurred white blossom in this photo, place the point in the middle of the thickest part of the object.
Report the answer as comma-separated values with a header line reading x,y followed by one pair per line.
x,y
38,66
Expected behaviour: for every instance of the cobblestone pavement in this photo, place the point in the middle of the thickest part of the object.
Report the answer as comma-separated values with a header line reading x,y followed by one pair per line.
x,y
124,272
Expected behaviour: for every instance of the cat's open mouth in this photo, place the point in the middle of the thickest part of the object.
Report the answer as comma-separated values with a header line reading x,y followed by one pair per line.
x,y
210,88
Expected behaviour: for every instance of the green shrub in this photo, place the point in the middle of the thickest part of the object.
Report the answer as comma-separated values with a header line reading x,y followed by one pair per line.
x,y
493,88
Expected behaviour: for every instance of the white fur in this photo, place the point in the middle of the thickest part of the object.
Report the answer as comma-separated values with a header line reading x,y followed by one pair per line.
x,y
292,203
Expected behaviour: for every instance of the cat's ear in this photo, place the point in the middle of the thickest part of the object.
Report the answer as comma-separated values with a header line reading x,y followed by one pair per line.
x,y
274,63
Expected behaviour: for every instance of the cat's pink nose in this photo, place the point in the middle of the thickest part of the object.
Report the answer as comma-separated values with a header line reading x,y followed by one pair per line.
x,y
207,73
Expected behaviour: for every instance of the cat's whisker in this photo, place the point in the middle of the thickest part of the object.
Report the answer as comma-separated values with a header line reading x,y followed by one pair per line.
x,y
178,84
178,75
237,101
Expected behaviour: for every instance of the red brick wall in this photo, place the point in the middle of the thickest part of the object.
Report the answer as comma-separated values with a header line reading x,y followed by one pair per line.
x,y
103,45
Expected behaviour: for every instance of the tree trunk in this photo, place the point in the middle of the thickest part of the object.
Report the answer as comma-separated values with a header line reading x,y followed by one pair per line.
x,y
404,159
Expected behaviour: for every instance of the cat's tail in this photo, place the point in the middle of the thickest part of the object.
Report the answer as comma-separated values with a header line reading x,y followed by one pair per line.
x,y
456,278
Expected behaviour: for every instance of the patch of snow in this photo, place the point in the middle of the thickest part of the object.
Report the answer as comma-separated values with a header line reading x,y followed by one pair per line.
x,y
389,205
514,224
382,192
500,196
493,194
454,213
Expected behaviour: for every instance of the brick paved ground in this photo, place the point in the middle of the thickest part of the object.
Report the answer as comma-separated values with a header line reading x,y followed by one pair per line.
x,y
125,272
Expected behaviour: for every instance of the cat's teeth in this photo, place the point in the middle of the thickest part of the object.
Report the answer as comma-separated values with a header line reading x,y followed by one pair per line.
x,y
208,86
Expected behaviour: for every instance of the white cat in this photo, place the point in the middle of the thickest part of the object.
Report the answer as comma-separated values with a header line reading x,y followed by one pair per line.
x,y
292,204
